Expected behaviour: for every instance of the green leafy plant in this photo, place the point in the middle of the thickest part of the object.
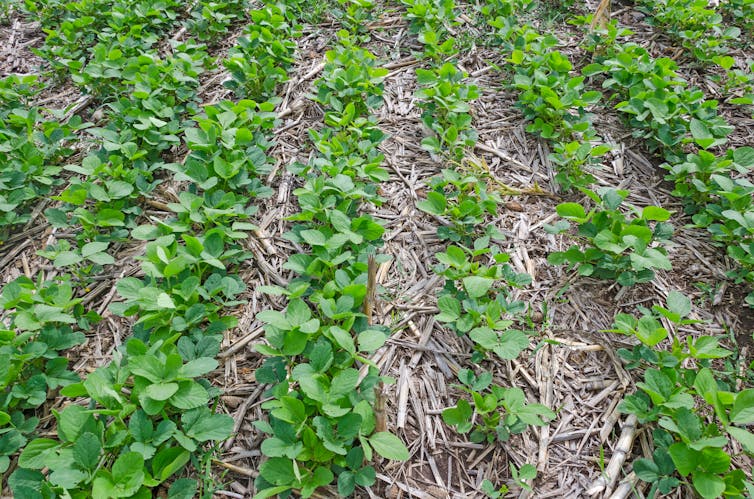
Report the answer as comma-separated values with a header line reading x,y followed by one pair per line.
x,y
128,444
695,408
444,99
464,201
520,476
503,411
45,320
617,246
259,62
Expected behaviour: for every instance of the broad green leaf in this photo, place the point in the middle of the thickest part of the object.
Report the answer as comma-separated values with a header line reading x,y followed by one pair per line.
x,y
709,485
743,408
679,303
197,367
128,473
745,438
35,454
189,395
86,451
161,391
571,210
477,286
655,213
168,461
389,446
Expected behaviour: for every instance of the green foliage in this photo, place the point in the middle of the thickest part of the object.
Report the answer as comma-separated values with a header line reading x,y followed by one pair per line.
x,y
148,415
228,148
695,24
350,78
463,200
322,424
432,22
210,20
354,15
45,320
614,245
553,100
31,148
444,99
501,412
260,60
696,409
475,299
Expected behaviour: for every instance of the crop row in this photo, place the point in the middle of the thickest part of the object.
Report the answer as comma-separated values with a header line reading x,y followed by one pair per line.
x,y
325,423
147,413
475,300
668,115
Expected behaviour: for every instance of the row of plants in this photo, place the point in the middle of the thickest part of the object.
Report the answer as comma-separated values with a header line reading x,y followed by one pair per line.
x,y
555,101
673,119
680,385
322,425
689,394
32,147
689,447
615,241
475,299
698,26
147,413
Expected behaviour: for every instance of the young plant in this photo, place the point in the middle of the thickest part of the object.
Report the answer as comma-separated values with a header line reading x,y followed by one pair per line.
x,y
147,415
501,412
444,99
45,320
475,299
696,409
259,62
464,201
614,245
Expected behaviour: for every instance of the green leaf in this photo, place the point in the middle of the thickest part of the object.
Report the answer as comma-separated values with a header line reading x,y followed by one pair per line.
x,y
189,395
450,309
477,286
458,415
389,446
92,248
371,339
655,213
35,454
571,210
679,303
168,461
343,383
86,451
161,391
197,367
313,237
709,485
72,421
278,471
434,204
128,473
743,408
183,488
701,133
211,427
649,331
66,258
685,459
745,438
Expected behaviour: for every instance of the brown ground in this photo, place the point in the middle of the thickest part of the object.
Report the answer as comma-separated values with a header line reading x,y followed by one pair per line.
x,y
572,366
